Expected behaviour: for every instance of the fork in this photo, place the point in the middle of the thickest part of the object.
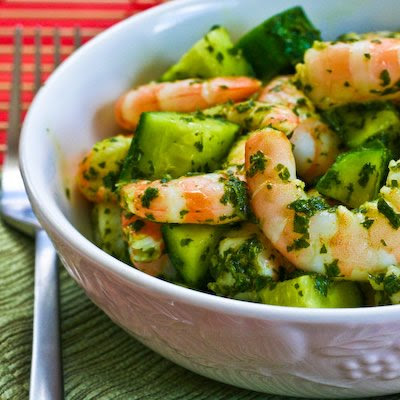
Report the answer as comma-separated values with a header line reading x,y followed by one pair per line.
x,y
46,365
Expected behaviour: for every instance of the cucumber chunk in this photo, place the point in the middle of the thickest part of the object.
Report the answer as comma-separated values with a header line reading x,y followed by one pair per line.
x,y
356,176
278,44
190,248
168,143
303,292
245,263
211,56
107,230
357,124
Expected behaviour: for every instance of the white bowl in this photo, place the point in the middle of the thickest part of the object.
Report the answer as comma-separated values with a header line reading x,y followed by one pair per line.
x,y
299,352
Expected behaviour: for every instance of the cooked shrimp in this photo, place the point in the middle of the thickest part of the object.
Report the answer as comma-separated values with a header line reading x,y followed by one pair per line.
x,y
336,73
100,168
216,198
183,96
282,90
253,115
145,244
307,231
315,145
315,148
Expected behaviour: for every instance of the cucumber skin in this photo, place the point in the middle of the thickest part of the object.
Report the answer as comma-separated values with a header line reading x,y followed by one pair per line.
x,y
334,183
278,44
357,124
200,60
107,230
181,256
301,292
135,165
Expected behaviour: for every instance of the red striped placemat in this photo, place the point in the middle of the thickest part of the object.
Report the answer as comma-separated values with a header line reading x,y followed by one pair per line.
x,y
92,16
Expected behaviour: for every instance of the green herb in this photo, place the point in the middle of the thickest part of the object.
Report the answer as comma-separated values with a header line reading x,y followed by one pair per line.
x,y
150,217
322,284
301,224
283,172
149,195
257,163
199,146
301,243
332,269
138,225
182,213
366,170
244,106
367,56
110,180
323,249
385,209
385,77
330,178
367,223
391,284
235,193
93,172
309,206
186,241
219,57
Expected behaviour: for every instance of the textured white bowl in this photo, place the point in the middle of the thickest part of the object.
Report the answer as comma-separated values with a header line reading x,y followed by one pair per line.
x,y
298,352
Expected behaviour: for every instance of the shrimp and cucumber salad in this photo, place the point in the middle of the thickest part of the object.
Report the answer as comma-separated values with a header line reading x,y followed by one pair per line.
x,y
266,170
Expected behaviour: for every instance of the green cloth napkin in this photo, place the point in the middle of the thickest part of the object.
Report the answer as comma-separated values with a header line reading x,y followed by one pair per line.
x,y
100,360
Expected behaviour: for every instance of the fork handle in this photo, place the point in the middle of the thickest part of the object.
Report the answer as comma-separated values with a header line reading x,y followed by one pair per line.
x,y
46,369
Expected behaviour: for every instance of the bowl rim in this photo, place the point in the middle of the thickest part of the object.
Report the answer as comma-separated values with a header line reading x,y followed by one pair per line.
x,y
54,218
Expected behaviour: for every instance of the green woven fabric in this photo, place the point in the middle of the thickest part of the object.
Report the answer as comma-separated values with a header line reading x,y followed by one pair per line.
x,y
101,361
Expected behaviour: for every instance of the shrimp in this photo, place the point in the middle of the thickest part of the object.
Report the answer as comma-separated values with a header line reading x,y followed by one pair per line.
x,y
315,148
215,198
253,115
145,244
100,168
282,90
184,96
336,73
315,145
306,230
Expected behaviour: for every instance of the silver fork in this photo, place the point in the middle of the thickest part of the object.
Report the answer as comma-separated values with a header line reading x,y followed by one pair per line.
x,y
46,366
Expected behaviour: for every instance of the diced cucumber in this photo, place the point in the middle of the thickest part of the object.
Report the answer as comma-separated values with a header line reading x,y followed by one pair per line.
x,y
190,248
356,176
387,286
107,230
213,55
303,292
278,44
168,143
236,155
358,123
245,263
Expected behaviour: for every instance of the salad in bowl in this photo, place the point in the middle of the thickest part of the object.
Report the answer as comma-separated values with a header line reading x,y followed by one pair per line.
x,y
264,170
240,183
